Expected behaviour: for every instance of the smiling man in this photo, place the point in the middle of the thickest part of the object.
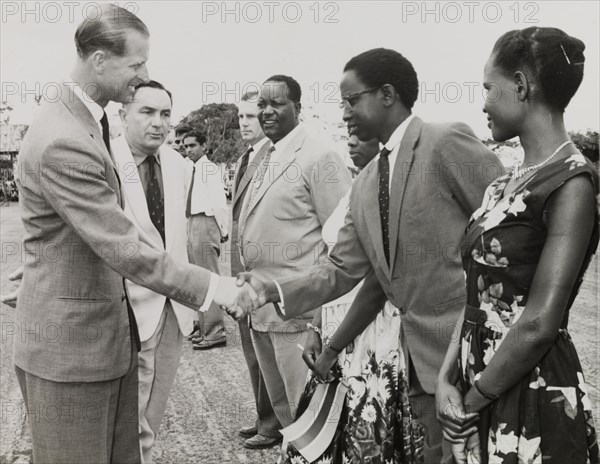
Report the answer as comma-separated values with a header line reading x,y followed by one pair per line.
x,y
264,432
294,189
72,203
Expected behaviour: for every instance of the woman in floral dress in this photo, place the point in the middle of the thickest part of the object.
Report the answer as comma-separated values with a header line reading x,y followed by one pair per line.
x,y
522,396
376,424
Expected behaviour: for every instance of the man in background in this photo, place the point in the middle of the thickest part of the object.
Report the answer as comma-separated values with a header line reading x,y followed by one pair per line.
x,y
207,214
178,140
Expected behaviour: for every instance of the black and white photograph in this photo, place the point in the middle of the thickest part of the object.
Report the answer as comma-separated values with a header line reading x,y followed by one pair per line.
x,y
296,232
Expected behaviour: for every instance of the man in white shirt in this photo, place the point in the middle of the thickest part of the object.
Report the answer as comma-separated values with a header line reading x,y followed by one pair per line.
x,y
207,214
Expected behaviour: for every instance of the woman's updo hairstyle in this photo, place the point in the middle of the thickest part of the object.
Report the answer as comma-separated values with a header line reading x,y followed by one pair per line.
x,y
554,57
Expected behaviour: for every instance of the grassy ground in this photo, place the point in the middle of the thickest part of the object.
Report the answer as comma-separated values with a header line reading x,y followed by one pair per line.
x,y
212,396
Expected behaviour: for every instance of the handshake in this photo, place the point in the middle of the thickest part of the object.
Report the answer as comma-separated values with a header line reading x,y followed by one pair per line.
x,y
241,295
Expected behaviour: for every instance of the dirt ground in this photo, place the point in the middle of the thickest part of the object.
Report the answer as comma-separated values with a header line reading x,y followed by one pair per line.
x,y
212,396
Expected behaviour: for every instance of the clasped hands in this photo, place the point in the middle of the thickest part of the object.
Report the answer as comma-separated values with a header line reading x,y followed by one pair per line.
x,y
241,295
458,426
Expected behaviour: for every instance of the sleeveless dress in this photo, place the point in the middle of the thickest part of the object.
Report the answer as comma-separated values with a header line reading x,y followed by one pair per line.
x,y
546,417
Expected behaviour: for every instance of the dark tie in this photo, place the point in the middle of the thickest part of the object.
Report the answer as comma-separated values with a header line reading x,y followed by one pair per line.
x,y
384,199
105,130
243,167
188,205
154,198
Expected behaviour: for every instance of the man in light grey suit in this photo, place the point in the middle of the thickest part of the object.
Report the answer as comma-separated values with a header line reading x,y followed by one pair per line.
x,y
298,184
162,323
77,351
408,211
264,432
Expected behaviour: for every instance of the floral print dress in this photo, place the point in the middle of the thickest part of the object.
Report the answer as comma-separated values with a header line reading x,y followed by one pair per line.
x,y
546,417
377,425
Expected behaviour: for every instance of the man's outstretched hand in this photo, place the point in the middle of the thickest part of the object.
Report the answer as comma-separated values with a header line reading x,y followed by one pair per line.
x,y
254,292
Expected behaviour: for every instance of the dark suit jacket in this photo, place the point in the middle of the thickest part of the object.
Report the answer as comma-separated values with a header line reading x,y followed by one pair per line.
x,y
439,178
79,244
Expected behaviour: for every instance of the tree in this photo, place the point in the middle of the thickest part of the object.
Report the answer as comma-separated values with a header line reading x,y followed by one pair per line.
x,y
587,144
219,121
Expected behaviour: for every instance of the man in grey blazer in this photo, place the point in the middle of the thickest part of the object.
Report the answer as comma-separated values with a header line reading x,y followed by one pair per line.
x,y
296,187
408,211
264,432
77,352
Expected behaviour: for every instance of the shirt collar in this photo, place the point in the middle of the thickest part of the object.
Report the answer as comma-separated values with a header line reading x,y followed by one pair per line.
x,y
282,144
203,160
258,145
139,157
397,135
93,107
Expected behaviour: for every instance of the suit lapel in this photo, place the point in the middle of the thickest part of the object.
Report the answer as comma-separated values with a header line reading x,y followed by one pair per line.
x,y
372,214
250,170
84,117
133,190
89,124
403,166
277,167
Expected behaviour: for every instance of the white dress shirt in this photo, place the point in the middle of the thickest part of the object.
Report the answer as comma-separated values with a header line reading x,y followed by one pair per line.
x,y
393,145
208,193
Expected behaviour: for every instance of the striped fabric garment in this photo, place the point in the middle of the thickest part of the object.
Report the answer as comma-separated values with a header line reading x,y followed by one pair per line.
x,y
312,433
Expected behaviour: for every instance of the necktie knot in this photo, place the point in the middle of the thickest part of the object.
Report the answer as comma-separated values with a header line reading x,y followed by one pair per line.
x,y
385,153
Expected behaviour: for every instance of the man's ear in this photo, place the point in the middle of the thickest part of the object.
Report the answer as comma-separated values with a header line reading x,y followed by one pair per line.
x,y
298,107
123,116
389,94
98,60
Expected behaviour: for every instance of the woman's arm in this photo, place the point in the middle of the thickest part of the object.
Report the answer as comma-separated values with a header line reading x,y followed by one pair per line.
x,y
570,220
365,307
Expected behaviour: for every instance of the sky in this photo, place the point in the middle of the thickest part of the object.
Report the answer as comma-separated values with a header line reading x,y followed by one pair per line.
x,y
207,52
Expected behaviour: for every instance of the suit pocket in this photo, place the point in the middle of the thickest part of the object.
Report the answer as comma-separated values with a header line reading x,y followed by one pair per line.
x,y
427,206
